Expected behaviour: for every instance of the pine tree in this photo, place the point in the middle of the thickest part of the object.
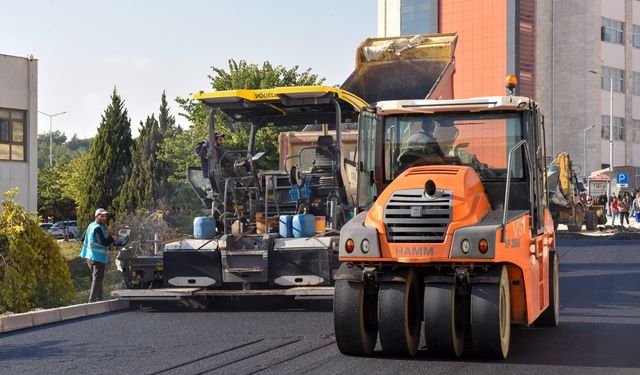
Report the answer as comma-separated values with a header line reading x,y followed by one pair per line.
x,y
109,161
146,187
139,188
168,130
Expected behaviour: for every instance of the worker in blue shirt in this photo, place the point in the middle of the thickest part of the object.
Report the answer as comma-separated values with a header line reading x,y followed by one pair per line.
x,y
95,244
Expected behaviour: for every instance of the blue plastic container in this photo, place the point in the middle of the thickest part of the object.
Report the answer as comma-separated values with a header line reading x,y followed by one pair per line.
x,y
284,226
303,225
204,227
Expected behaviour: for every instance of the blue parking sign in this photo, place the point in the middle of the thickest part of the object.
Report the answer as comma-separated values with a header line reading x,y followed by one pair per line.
x,y
623,178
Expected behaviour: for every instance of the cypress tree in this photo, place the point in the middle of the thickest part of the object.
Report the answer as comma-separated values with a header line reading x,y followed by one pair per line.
x,y
139,190
146,186
109,161
168,130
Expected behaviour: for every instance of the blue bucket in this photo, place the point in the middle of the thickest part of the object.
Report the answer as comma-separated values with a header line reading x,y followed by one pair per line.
x,y
303,225
284,226
204,227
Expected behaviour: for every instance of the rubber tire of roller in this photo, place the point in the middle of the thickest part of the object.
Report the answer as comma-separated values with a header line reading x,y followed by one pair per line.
x,y
399,316
354,318
550,317
443,320
491,317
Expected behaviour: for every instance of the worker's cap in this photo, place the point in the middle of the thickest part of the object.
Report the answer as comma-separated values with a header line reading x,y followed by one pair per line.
x,y
101,211
217,135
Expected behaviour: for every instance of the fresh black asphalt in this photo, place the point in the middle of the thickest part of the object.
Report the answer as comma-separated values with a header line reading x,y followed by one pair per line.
x,y
599,333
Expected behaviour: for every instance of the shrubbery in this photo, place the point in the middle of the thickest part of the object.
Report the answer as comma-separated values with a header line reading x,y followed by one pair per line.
x,y
33,272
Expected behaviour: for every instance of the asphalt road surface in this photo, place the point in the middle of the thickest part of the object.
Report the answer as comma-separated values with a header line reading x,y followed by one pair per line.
x,y
599,333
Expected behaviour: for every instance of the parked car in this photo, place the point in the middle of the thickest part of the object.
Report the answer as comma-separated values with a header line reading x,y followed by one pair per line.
x,y
64,229
45,226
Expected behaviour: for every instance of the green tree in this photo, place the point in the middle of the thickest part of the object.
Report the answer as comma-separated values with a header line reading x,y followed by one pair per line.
x,y
52,200
73,178
58,138
147,186
109,161
140,187
237,76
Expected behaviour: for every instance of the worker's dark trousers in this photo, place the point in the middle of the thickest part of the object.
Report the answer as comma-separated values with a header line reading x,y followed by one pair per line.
x,y
97,275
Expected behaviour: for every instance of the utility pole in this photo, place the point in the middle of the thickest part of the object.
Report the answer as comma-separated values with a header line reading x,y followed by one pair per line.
x,y
51,134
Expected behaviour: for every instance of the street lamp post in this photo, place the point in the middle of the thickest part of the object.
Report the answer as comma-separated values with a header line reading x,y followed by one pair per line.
x,y
584,165
51,134
610,135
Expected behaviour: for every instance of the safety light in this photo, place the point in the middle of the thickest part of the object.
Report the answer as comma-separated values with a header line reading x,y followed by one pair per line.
x,y
364,246
512,82
349,246
465,246
483,246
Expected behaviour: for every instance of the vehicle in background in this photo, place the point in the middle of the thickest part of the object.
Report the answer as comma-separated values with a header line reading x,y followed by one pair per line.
x,y
268,232
45,226
67,229
564,191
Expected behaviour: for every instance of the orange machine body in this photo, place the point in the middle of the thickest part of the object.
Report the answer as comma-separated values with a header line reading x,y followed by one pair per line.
x,y
525,253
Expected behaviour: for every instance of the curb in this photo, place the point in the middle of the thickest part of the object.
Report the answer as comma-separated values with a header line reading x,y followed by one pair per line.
x,y
15,322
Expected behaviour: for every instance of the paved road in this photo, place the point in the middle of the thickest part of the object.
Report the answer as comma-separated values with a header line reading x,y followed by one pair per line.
x,y
599,334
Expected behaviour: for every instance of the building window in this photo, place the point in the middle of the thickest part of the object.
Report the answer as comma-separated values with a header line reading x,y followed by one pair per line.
x,y
612,31
618,128
636,36
618,79
636,131
635,88
12,135
418,17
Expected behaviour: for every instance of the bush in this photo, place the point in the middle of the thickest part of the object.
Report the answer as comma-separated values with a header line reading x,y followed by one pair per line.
x,y
33,272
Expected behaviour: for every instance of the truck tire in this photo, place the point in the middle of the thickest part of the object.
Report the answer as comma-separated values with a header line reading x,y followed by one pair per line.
x,y
354,318
444,320
550,317
591,220
491,317
399,308
578,220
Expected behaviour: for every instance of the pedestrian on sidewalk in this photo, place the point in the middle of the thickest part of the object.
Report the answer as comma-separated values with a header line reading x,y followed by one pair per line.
x,y
623,208
95,244
636,207
614,209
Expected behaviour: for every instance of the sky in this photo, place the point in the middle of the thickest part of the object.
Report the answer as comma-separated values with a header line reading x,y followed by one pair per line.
x,y
86,48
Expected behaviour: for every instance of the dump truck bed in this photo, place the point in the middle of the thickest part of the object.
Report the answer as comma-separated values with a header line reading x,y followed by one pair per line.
x,y
405,67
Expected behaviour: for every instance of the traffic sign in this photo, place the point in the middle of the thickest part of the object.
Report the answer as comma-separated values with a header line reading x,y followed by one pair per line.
x,y
623,179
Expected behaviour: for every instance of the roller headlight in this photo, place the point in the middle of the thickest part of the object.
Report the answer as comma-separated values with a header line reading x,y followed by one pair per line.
x,y
465,246
365,246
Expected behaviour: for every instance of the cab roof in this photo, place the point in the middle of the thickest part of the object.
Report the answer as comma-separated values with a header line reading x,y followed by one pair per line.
x,y
480,104
280,106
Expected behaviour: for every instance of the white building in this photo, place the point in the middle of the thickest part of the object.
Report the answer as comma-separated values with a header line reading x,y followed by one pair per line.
x,y
19,128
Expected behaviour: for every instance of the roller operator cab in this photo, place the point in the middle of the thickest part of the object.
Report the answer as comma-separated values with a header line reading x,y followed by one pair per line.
x,y
453,229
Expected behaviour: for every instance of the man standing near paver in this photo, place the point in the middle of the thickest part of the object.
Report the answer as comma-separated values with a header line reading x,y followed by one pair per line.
x,y
95,244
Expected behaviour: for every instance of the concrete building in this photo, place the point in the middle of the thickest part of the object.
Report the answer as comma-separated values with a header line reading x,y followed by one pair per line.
x,y
564,54
19,128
